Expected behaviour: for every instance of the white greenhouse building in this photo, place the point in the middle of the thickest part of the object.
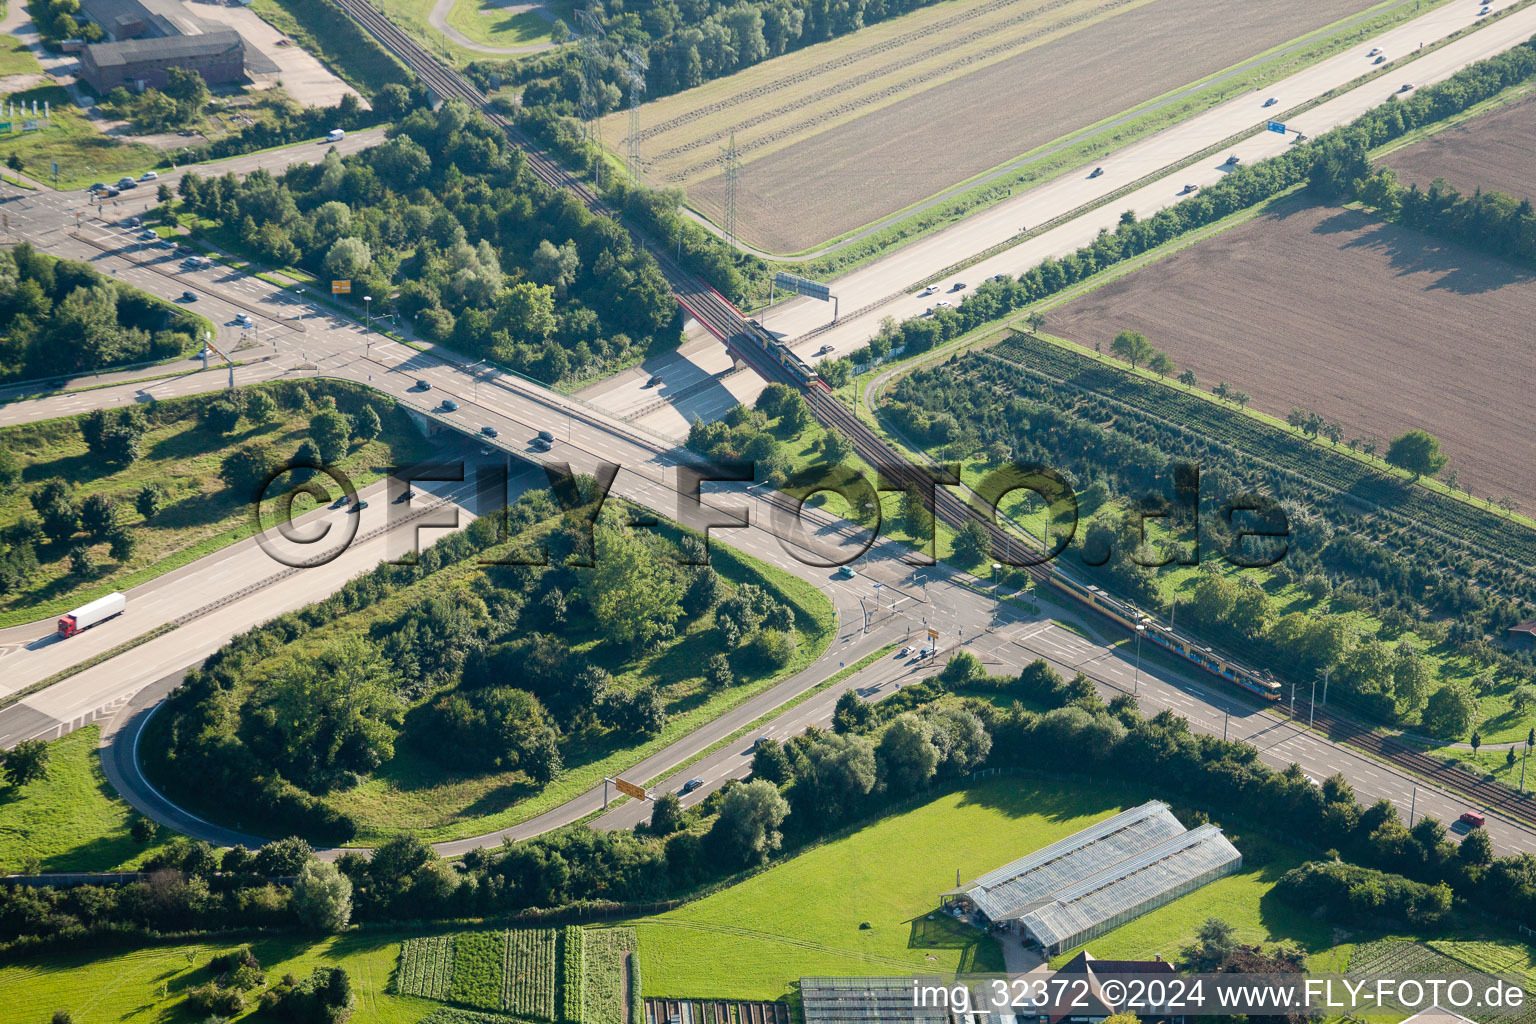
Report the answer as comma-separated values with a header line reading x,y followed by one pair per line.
x,y
1098,879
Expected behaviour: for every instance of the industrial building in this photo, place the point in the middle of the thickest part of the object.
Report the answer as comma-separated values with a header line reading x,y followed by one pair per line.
x,y
149,37
1098,879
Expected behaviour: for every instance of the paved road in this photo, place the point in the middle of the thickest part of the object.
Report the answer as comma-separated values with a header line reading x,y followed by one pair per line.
x,y
305,340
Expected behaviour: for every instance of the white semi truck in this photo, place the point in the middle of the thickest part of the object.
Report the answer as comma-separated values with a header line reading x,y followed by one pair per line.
x,y
87,615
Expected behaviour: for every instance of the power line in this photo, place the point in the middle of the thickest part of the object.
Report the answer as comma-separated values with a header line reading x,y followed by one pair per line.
x,y
731,162
637,69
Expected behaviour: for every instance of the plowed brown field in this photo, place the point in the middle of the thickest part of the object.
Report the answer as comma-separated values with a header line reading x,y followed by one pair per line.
x,y
840,134
1377,327
1494,151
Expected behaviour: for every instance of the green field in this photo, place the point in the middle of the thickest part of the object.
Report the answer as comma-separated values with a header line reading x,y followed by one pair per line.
x,y
200,514
803,917
148,984
484,22
70,821
84,154
16,59
510,971
603,956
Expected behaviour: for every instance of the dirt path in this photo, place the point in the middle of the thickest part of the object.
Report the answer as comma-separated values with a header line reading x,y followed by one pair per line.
x,y
438,19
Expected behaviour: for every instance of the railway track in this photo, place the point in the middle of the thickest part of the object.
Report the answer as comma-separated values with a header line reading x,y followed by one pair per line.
x,y
726,322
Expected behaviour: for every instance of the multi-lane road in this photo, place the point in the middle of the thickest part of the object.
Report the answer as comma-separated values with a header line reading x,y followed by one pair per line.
x,y
296,338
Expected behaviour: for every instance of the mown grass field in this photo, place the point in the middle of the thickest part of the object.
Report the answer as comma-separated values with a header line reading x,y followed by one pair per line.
x,y
200,514
802,917
15,58
486,21
71,820
150,984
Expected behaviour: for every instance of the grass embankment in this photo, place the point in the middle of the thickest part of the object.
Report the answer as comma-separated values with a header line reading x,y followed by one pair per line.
x,y
336,40
71,820
200,513
488,23
413,790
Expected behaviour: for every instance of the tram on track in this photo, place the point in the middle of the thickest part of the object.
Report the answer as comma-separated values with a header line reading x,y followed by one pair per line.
x,y
1166,638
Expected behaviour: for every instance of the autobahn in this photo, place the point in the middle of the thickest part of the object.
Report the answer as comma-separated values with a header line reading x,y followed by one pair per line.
x,y
334,347
337,347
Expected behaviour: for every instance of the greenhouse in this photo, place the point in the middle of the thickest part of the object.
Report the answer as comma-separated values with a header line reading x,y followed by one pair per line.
x,y
1092,881
1124,891
1002,894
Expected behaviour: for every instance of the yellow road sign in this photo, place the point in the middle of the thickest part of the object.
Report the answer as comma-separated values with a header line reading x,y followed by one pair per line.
x,y
933,634
341,287
638,792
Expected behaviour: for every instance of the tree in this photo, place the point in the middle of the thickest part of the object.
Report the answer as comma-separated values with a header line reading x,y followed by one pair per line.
x,y
367,425
770,763
906,755
1476,848
962,669
1477,740
149,500
348,258
851,714
143,830
282,857
322,896
835,448
1132,346
1035,320
914,514
26,762
1188,379
260,407
122,543
1241,399
98,514
666,815
1450,711
1417,451
555,267
14,162
60,520
1161,364
633,597
246,469
747,829
187,88
795,415
1214,942
973,543
717,671
331,431
221,417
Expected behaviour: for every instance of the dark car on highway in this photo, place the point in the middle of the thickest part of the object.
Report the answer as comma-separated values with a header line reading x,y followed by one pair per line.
x,y
692,784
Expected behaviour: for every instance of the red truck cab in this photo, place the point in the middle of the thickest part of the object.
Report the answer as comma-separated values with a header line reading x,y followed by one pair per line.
x,y
67,626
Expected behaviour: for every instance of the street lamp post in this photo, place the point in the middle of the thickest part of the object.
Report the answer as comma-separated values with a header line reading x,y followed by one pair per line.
x,y
1141,631
368,319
